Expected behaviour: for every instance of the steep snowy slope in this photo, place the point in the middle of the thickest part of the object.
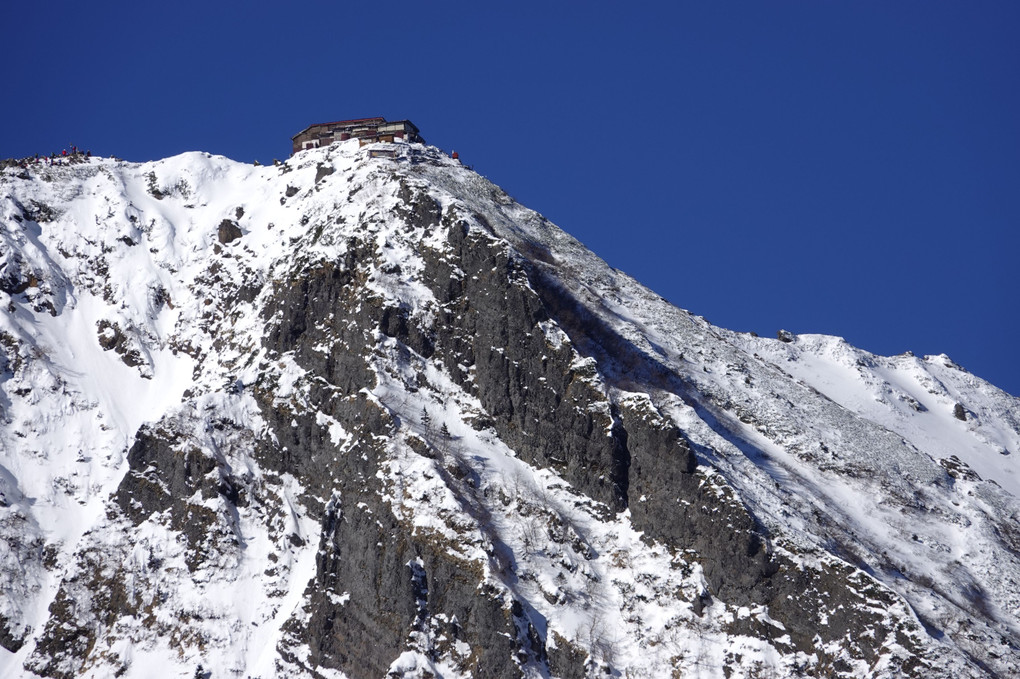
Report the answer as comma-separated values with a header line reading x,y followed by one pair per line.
x,y
367,416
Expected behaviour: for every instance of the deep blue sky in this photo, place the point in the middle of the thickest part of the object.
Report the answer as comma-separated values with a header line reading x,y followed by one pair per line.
x,y
850,168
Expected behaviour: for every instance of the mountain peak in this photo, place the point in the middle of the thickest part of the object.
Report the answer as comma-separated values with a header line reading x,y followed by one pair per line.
x,y
360,413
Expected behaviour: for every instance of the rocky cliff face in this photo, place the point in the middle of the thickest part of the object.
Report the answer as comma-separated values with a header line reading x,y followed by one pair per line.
x,y
369,417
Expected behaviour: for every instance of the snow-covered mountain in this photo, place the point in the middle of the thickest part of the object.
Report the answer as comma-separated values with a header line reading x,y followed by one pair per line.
x,y
356,415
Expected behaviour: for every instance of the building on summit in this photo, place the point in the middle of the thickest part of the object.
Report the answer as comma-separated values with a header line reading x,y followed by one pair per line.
x,y
366,130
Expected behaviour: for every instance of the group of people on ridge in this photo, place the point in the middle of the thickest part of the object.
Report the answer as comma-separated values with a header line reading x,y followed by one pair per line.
x,y
75,155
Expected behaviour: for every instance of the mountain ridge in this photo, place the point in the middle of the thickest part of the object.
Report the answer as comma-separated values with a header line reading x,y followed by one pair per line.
x,y
276,355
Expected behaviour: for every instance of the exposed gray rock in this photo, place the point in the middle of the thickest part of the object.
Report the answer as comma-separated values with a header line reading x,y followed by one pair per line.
x,y
228,231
